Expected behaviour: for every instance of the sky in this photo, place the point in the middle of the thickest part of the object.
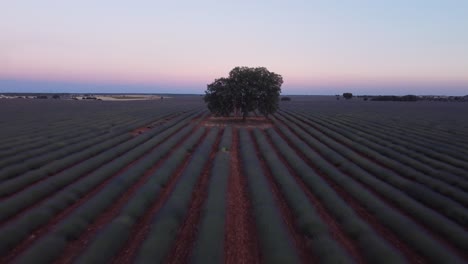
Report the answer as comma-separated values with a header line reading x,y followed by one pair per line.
x,y
319,47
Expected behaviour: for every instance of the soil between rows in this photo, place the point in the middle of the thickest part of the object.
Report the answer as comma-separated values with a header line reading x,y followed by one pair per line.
x,y
241,237
236,122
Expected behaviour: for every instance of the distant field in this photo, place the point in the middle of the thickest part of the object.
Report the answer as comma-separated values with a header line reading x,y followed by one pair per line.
x,y
321,181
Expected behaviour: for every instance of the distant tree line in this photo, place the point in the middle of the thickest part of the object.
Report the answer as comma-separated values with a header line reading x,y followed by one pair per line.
x,y
55,96
445,98
405,98
412,98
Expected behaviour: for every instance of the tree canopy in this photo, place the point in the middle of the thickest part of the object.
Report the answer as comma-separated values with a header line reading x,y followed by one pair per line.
x,y
245,90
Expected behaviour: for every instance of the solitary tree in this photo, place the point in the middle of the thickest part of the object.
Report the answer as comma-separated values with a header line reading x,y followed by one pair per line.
x,y
245,90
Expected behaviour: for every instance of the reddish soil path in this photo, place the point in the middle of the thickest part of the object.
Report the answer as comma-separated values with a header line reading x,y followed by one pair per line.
x,y
334,227
383,231
142,228
236,122
241,242
74,248
140,131
188,231
38,233
299,240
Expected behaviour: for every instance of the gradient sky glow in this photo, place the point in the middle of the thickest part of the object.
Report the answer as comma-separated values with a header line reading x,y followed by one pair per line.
x,y
319,47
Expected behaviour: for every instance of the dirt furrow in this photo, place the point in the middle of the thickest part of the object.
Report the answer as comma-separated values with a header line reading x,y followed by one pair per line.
x,y
241,242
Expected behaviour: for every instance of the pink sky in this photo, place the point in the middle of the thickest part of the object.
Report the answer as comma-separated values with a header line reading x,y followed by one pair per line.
x,y
312,46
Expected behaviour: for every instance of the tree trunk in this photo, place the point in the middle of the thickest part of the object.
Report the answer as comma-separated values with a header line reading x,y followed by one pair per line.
x,y
244,116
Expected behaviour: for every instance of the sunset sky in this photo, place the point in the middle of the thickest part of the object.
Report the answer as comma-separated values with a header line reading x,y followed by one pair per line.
x,y
319,47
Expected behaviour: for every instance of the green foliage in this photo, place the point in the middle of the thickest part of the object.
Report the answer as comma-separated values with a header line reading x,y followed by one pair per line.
x,y
245,90
219,97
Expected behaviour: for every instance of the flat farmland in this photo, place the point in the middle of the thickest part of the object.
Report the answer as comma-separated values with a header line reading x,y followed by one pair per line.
x,y
164,181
